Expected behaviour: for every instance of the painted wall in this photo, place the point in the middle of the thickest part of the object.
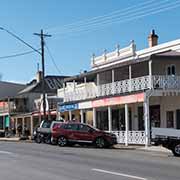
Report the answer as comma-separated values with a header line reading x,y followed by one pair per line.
x,y
89,117
167,103
76,114
159,66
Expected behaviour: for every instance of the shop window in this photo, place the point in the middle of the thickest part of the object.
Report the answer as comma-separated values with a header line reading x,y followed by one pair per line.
x,y
170,119
118,119
140,119
102,119
155,115
171,70
1,122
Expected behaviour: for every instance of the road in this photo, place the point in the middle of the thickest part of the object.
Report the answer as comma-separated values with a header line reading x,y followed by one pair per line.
x,y
30,161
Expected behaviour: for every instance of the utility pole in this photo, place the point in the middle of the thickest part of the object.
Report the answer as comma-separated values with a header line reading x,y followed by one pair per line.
x,y
42,35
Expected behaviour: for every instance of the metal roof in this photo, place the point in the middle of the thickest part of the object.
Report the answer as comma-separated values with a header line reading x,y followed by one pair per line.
x,y
52,83
9,90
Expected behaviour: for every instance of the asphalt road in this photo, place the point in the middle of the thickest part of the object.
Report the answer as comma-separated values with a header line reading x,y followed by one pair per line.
x,y
27,161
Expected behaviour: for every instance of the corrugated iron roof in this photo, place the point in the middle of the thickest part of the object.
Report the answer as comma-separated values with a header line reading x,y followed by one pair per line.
x,y
52,83
9,90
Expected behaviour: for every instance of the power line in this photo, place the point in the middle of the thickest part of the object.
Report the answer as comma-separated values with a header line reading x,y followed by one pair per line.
x,y
16,55
121,13
17,37
53,60
94,19
128,17
125,18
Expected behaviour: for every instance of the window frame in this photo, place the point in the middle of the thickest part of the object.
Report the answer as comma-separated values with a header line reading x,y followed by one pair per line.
x,y
169,67
167,119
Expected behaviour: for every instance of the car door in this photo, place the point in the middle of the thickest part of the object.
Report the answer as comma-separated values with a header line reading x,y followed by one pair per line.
x,y
70,131
84,133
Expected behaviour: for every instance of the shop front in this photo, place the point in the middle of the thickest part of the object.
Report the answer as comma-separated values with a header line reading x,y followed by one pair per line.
x,y
86,112
69,112
120,116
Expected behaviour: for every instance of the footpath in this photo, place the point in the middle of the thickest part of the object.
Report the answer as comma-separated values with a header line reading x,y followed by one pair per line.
x,y
118,146
143,148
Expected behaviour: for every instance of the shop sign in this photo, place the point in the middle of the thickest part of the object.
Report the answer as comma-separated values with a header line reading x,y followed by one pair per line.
x,y
119,100
85,105
68,107
3,106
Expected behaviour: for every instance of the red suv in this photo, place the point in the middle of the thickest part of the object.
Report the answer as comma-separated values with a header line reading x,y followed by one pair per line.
x,y
79,133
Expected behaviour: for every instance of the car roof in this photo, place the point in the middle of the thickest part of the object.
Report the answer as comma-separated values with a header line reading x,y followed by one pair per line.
x,y
69,122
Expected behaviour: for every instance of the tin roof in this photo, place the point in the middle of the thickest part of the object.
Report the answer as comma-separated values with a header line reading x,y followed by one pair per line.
x,y
52,83
9,90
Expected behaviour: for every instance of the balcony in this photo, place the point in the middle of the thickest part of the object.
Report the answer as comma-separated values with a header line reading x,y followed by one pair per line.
x,y
90,90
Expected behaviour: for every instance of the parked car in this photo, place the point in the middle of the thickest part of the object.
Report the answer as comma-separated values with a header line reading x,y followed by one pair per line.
x,y
168,138
43,132
79,133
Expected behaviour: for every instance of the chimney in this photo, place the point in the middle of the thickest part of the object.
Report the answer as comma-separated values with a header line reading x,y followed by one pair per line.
x,y
153,39
39,76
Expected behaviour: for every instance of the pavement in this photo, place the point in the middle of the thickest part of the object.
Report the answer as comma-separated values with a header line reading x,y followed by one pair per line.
x,y
10,139
118,146
142,147
46,162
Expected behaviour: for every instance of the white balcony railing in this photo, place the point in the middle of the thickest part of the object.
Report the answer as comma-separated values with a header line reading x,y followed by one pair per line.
x,y
166,82
124,86
134,137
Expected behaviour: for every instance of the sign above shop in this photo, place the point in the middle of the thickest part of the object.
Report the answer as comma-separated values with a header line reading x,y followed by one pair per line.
x,y
85,105
68,107
119,100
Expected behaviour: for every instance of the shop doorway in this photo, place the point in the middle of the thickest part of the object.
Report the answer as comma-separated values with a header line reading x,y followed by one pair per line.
x,y
118,119
102,119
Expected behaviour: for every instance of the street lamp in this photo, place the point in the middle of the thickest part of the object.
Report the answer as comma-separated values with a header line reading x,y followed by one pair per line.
x,y
42,56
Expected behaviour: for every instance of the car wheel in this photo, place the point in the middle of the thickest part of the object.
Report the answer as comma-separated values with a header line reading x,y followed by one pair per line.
x,y
53,142
100,142
47,140
176,150
38,139
62,141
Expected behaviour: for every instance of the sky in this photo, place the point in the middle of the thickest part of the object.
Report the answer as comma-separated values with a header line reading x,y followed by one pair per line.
x,y
73,38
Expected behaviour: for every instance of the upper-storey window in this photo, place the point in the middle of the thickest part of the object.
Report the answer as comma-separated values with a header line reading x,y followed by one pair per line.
x,y
171,70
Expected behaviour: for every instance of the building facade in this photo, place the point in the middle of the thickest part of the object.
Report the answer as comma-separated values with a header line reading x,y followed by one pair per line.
x,y
128,91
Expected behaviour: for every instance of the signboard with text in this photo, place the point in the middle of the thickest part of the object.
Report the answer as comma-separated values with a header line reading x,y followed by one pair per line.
x,y
68,107
119,100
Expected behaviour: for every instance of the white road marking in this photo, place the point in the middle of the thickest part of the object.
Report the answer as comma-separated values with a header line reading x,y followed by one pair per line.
x,y
119,174
6,152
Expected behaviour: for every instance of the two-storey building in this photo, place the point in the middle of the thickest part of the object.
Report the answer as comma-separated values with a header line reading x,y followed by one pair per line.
x,y
32,104
128,91
10,105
